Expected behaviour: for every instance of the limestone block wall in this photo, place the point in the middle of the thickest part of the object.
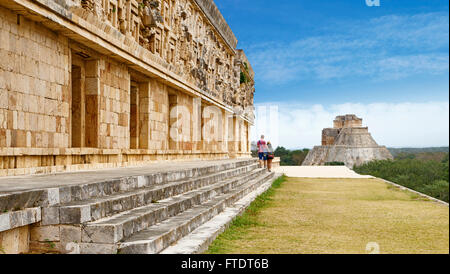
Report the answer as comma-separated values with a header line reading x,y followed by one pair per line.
x,y
238,137
329,135
181,121
15,241
349,120
114,98
34,79
213,137
158,116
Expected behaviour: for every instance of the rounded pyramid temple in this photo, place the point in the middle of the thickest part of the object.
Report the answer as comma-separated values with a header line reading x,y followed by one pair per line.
x,y
348,142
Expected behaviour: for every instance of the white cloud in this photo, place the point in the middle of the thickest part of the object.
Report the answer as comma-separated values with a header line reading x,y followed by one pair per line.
x,y
391,124
388,47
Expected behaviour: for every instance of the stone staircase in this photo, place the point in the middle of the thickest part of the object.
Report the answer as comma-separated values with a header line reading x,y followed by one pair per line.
x,y
143,214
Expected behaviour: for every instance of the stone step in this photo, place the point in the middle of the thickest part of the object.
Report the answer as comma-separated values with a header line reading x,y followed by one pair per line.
x,y
198,241
106,188
158,237
113,229
59,193
78,212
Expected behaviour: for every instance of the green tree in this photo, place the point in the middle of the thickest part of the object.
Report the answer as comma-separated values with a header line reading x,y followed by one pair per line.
x,y
291,158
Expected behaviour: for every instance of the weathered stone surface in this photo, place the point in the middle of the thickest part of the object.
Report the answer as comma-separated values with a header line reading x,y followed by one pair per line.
x,y
102,233
53,196
91,248
347,142
70,237
50,215
74,215
15,241
14,219
44,233
45,247
5,223
22,199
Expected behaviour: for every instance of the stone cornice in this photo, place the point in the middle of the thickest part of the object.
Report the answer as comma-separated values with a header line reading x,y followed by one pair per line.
x,y
211,11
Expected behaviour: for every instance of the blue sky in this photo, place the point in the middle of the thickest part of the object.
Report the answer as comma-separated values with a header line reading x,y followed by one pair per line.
x,y
332,54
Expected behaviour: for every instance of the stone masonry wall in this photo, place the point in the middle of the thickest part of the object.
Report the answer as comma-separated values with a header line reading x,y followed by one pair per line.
x,y
34,79
114,105
158,116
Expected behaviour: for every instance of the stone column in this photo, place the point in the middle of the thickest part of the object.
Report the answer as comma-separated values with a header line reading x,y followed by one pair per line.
x,y
244,140
249,149
92,103
197,123
241,135
77,128
174,131
134,116
144,115
233,144
226,134
212,128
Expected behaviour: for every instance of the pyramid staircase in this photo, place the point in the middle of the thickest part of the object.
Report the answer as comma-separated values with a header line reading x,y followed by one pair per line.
x,y
146,214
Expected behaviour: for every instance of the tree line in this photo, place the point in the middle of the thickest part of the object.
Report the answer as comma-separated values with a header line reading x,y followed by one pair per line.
x,y
287,157
430,177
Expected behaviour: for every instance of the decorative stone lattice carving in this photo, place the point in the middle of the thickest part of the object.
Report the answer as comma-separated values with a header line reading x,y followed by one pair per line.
x,y
181,39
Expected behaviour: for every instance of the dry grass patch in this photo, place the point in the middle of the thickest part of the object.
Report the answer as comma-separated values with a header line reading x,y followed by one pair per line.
x,y
338,216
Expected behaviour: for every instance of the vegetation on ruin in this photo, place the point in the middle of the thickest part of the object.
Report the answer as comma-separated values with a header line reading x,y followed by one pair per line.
x,y
244,78
335,164
313,216
427,176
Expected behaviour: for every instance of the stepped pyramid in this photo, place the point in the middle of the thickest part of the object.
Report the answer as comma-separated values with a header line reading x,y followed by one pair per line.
x,y
348,142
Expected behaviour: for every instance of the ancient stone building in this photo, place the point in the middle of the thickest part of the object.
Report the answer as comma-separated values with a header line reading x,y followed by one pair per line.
x,y
348,142
88,84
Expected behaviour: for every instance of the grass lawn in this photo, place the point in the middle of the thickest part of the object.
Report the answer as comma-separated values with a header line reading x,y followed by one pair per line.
x,y
304,216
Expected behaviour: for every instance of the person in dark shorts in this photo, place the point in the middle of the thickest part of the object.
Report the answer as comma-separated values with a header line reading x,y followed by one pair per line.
x,y
262,152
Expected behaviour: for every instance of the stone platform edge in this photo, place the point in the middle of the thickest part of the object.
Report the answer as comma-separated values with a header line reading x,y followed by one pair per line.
x,y
413,191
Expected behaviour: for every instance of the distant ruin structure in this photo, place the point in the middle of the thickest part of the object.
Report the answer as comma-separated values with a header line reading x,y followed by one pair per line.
x,y
348,142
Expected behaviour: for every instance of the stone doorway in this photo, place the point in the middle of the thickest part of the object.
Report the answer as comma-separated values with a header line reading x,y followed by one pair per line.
x,y
84,103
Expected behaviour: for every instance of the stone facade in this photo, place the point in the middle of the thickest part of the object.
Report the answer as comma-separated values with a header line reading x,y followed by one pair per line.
x,y
89,84
348,142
